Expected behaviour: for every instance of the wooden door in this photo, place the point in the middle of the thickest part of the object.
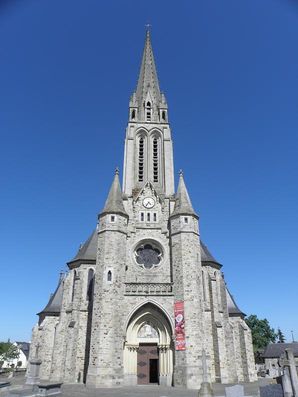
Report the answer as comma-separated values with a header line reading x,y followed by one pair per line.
x,y
147,364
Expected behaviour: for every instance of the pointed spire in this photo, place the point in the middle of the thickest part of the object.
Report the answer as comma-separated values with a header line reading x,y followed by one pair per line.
x,y
183,204
148,75
114,202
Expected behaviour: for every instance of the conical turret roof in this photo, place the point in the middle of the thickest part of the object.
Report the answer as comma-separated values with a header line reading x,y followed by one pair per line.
x,y
114,202
233,308
53,307
86,252
148,75
206,255
183,204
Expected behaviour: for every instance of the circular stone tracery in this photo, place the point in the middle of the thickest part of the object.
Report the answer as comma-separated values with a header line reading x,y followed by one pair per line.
x,y
148,255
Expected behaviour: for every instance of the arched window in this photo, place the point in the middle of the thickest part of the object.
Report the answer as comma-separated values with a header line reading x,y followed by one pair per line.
x,y
133,114
163,115
155,160
109,276
148,111
141,160
90,285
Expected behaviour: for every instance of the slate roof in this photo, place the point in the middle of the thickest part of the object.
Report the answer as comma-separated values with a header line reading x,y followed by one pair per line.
x,y
206,255
25,347
274,350
87,251
233,309
53,307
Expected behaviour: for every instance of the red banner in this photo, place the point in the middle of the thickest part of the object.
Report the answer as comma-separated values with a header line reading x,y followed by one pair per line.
x,y
179,325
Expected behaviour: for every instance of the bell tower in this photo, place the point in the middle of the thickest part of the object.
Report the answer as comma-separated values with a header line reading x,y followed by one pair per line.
x,y
148,153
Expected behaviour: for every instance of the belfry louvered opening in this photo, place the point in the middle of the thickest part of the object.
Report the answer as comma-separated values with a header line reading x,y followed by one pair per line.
x,y
141,160
155,160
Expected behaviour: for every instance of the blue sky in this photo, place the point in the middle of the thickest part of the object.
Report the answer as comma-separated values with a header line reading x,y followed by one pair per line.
x,y
229,71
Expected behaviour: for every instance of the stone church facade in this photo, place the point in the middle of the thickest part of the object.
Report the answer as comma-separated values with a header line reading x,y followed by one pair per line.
x,y
144,299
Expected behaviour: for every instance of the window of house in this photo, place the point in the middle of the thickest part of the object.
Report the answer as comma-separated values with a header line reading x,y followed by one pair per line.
x,y
154,217
186,219
142,216
148,216
133,114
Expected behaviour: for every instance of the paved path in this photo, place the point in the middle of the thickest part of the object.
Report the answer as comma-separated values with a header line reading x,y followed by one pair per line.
x,y
148,391
137,391
76,390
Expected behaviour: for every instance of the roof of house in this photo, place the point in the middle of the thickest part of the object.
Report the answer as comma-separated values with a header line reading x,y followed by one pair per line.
x,y
25,347
274,350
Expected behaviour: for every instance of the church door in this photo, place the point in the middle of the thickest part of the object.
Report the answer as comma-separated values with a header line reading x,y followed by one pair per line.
x,y
148,363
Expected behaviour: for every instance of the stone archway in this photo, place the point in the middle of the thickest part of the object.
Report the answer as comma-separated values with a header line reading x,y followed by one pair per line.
x,y
148,350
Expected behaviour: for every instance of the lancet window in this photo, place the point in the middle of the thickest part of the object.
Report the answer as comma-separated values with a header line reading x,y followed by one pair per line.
x,y
109,276
148,111
141,160
155,160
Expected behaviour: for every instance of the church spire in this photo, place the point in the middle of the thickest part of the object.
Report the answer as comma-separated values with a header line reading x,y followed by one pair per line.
x,y
114,202
148,80
183,204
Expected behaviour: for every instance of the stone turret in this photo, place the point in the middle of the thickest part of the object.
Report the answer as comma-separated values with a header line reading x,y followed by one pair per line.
x,y
183,204
106,349
186,256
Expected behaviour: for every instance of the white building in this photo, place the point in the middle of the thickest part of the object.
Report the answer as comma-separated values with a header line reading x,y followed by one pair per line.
x,y
22,361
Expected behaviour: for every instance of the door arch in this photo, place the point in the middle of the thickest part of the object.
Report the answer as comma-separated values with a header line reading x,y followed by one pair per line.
x,y
148,329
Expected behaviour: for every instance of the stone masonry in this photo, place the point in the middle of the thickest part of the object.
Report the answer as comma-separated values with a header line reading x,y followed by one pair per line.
x,y
111,320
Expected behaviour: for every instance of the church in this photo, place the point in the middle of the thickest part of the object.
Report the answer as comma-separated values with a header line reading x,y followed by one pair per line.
x,y
144,300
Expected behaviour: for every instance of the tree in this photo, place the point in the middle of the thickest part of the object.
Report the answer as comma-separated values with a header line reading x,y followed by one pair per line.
x,y
280,336
262,333
8,351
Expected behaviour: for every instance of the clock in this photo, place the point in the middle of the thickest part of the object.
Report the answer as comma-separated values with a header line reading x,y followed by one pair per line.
x,y
148,202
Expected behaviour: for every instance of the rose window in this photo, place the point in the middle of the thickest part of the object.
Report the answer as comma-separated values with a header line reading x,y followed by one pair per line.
x,y
148,255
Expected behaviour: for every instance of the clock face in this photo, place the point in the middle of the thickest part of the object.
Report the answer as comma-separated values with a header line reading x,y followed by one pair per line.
x,y
148,202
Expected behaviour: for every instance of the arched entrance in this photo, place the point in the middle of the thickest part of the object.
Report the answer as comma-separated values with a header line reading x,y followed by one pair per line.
x,y
148,351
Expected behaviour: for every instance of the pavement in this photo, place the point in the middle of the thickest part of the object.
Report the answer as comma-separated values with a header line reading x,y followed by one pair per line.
x,y
79,390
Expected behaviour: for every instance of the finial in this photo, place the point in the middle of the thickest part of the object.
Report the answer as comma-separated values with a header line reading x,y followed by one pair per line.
x,y
61,275
117,171
148,26
180,173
